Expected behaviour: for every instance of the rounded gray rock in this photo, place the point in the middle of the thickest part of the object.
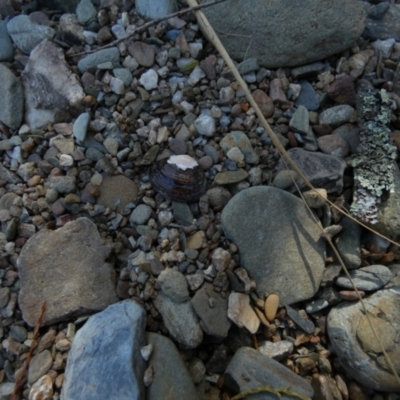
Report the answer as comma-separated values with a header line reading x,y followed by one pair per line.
x,y
279,242
140,215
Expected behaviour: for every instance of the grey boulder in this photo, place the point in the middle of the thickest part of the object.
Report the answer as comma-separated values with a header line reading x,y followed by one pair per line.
x,y
279,242
105,361
324,28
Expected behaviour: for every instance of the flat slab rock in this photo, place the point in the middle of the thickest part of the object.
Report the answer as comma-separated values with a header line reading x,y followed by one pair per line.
x,y
171,379
52,91
279,243
250,369
105,361
266,35
65,268
356,345
322,170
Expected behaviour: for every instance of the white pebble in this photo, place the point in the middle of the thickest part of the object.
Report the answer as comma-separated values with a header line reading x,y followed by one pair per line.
x,y
117,86
195,76
236,155
205,125
66,160
149,79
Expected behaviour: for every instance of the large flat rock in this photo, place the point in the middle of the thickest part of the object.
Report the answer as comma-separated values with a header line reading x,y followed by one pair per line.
x,y
317,29
65,268
279,242
53,92
105,361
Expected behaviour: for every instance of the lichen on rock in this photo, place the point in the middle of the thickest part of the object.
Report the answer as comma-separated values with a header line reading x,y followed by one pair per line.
x,y
373,161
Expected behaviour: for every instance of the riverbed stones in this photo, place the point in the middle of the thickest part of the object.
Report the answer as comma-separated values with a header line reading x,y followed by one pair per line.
x,y
105,360
240,140
271,228
249,369
333,33
52,90
72,281
11,98
356,345
171,379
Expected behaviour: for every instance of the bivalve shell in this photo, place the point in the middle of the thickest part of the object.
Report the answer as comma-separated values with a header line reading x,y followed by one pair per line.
x,y
178,178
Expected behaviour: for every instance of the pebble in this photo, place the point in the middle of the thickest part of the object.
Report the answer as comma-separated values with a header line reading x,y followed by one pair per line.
x,y
307,97
85,11
149,79
322,170
316,305
348,243
271,307
27,34
155,9
303,323
315,198
241,313
205,125
276,350
140,215
351,295
299,121
39,365
6,46
342,90
241,141
11,99
212,315
368,278
230,177
337,115
42,389
99,57
334,145
264,102
80,127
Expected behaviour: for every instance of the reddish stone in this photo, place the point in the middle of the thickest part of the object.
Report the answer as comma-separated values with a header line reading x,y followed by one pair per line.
x,y
292,139
342,90
265,104
322,130
351,295
276,92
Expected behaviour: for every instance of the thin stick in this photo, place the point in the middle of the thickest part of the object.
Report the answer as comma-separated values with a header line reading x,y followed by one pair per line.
x,y
148,25
214,39
21,376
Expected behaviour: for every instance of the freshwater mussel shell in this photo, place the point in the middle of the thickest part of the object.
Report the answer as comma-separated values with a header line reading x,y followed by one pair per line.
x,y
172,182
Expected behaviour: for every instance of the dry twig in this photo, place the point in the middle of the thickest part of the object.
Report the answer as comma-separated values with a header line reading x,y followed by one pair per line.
x,y
148,25
21,376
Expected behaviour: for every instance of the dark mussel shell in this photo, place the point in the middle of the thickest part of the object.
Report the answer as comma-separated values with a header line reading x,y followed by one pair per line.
x,y
178,178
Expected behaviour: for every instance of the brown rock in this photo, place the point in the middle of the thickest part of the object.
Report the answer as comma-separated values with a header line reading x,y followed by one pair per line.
x,y
334,145
196,241
351,295
271,306
275,91
143,53
264,102
321,130
65,268
42,389
115,189
356,392
342,90
321,388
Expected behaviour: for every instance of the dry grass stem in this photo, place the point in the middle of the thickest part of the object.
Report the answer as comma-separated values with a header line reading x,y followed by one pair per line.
x,y
21,376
